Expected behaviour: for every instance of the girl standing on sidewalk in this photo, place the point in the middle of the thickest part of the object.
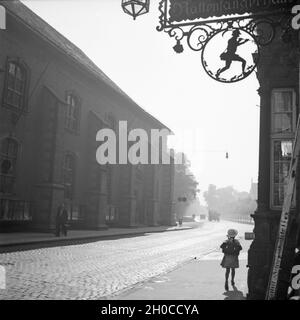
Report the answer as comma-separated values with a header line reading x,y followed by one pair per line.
x,y
231,249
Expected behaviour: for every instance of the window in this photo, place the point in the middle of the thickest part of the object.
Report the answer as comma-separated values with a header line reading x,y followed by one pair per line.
x,y
72,113
15,88
69,175
282,137
282,153
8,160
15,210
283,111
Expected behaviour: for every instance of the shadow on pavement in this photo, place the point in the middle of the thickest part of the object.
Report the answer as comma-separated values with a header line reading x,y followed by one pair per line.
x,y
234,294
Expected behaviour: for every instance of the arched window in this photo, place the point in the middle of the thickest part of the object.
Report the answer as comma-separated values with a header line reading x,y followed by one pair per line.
x,y
8,161
69,175
72,119
15,88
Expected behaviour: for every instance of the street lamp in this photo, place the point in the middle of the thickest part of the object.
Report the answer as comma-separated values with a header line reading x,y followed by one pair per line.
x,y
226,152
135,8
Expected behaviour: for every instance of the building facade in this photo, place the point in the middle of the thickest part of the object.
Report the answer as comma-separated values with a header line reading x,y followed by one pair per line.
x,y
54,100
278,75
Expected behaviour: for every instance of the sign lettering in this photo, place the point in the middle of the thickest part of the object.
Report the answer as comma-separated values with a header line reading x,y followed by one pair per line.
x,y
201,9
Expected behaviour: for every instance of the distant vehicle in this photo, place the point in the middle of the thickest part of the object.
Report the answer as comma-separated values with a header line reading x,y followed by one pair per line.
x,y
213,215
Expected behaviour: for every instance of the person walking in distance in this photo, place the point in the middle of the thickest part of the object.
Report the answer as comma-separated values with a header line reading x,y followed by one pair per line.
x,y
231,249
61,220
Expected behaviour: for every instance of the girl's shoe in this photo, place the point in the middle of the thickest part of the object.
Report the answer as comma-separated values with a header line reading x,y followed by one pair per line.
x,y
226,286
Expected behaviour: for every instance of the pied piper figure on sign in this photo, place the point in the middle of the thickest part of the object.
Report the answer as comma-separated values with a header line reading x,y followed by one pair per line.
x,y
230,54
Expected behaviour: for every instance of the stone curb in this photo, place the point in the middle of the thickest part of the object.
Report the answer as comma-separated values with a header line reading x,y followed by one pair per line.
x,y
11,247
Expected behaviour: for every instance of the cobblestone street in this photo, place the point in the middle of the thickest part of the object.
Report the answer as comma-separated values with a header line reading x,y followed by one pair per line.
x,y
100,269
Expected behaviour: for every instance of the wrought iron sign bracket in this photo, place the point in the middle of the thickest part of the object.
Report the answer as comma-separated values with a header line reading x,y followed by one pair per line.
x,y
251,30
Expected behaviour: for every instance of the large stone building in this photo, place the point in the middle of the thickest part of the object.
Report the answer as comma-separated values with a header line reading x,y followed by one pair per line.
x,y
54,100
278,75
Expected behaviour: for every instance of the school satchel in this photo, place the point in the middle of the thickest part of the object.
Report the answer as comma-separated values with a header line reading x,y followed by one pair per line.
x,y
231,248
223,56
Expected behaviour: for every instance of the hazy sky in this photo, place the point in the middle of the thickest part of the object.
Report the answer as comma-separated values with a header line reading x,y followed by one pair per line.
x,y
172,87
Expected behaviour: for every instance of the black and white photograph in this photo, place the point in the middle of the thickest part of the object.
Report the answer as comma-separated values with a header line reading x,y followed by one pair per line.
x,y
149,153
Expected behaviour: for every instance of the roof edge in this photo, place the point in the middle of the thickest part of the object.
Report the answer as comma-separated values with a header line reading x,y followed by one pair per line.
x,y
95,73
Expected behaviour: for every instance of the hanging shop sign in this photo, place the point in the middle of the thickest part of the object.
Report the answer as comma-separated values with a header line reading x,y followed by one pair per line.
x,y
181,10
227,33
230,56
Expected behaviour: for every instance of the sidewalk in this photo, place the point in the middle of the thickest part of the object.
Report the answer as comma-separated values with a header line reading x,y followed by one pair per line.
x,y
199,279
11,241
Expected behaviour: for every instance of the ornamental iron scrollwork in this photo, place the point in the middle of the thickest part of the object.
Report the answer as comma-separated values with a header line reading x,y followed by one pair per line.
x,y
240,36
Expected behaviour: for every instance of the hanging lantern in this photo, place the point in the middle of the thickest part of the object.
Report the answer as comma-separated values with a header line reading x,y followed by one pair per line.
x,y
135,8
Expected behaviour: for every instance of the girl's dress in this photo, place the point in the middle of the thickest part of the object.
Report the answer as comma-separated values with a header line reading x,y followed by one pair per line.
x,y
231,260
